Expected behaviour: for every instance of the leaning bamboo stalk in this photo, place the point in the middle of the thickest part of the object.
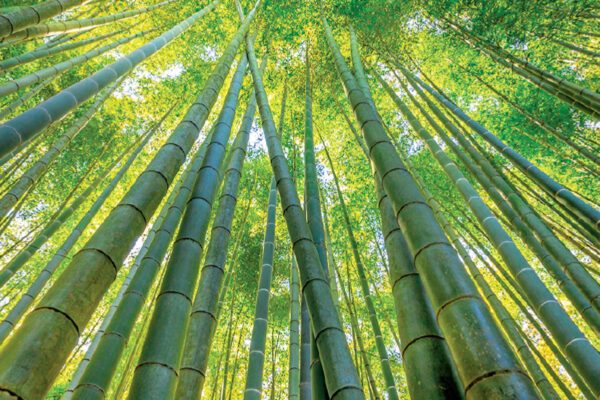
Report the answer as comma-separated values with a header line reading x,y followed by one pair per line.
x,y
30,56
59,68
557,191
512,329
51,28
22,100
21,18
68,394
571,339
37,170
30,123
573,279
506,277
314,219
440,378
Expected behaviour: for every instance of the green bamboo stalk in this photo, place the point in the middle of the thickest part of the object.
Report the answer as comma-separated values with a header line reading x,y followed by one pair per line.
x,y
68,394
33,121
512,329
305,337
573,342
20,19
534,322
234,262
254,376
340,373
37,170
349,301
546,246
462,315
51,28
557,191
559,382
159,365
312,208
294,346
295,308
102,365
330,257
364,285
416,321
205,309
57,69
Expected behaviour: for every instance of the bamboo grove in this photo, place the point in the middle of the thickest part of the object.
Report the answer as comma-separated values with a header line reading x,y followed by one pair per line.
x,y
318,199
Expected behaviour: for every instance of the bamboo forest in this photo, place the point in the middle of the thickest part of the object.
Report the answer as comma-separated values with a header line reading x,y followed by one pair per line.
x,y
299,199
